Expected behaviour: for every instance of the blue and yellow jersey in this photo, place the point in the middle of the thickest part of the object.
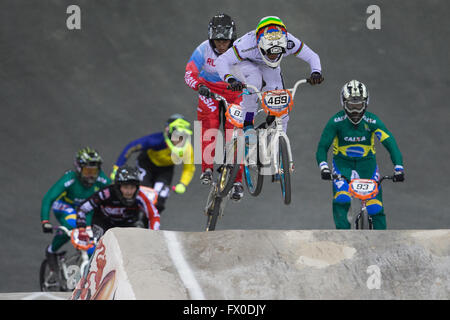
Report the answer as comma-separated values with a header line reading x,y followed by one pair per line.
x,y
353,142
159,153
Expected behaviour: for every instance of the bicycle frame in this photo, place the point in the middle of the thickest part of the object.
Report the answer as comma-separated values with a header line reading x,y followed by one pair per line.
x,y
275,129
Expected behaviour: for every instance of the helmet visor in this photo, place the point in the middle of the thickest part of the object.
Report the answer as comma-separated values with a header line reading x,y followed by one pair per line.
x,y
355,110
220,33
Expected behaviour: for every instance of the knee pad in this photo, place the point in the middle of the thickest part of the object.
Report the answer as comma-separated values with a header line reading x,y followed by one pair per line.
x,y
342,195
374,206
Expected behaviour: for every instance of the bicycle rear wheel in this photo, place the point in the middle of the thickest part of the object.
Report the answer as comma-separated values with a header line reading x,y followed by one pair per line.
x,y
285,174
252,172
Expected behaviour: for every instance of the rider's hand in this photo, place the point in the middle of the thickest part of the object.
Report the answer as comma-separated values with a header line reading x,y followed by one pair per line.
x,y
83,235
81,222
113,173
47,226
235,85
180,188
399,175
316,78
204,91
325,173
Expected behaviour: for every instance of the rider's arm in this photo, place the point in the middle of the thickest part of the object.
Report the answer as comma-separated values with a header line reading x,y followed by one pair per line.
x,y
225,61
326,139
143,143
54,193
150,210
302,51
87,208
193,68
388,141
188,166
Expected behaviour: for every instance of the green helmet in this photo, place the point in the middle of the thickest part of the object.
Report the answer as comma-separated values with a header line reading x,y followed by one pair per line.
x,y
88,165
176,134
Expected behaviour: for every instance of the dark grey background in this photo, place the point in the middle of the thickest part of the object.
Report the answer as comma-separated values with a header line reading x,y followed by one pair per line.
x,y
122,75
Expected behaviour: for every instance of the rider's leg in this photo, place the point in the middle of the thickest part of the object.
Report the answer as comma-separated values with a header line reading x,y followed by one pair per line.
x,y
65,213
163,177
208,115
341,195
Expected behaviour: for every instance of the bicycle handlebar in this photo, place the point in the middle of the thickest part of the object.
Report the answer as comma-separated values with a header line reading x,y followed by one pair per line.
x,y
292,90
341,177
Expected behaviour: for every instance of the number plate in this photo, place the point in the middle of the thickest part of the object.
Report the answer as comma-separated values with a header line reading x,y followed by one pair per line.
x,y
277,102
235,115
363,188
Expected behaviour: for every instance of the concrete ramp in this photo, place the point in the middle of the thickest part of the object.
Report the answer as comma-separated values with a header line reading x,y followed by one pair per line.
x,y
275,264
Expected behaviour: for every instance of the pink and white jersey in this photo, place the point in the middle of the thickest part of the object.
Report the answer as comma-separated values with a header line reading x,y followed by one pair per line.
x,y
201,68
246,49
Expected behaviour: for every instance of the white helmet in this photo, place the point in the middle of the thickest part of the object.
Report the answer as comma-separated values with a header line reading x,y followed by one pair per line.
x,y
271,36
354,99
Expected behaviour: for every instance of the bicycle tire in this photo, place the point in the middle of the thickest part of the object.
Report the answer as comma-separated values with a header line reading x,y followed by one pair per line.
x,y
213,214
228,173
42,278
285,174
254,185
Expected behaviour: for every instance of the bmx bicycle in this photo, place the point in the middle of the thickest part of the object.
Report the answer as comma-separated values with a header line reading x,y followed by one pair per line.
x,y
228,170
70,267
267,149
362,190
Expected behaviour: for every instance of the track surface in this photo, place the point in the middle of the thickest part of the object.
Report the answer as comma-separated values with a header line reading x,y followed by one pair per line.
x,y
121,76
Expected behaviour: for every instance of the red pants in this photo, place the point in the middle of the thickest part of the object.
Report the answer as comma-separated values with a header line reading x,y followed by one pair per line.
x,y
208,114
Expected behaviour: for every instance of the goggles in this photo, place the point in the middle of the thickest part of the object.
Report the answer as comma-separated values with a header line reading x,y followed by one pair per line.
x,y
355,106
90,171
221,33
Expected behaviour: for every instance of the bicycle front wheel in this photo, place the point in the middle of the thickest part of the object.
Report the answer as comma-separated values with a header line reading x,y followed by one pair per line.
x,y
48,280
252,172
284,171
213,214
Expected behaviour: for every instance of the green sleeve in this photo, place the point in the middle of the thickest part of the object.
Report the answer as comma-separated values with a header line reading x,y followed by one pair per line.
x,y
328,134
52,194
104,179
388,141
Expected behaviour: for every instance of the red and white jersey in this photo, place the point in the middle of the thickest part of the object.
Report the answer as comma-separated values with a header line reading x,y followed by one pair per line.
x,y
201,69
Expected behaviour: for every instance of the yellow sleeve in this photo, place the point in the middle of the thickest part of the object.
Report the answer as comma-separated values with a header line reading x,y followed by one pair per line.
x,y
188,166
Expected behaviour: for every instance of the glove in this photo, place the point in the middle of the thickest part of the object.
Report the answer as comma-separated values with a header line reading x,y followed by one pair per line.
x,y
235,85
113,173
47,226
316,78
180,188
81,222
326,174
83,235
204,91
399,174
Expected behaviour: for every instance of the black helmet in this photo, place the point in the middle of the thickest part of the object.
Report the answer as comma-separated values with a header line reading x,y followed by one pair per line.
x,y
221,27
87,165
127,175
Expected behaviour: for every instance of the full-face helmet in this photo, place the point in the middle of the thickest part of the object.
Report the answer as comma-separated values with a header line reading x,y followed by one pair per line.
x,y
354,100
87,165
271,37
